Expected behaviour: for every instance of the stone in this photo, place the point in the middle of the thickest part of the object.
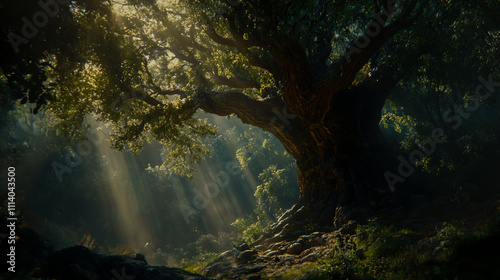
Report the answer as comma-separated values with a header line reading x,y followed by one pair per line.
x,y
141,258
309,258
81,263
274,253
243,247
277,246
260,248
295,249
248,270
246,256
228,255
212,270
306,252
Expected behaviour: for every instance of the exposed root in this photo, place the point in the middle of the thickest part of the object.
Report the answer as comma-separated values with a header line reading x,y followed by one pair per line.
x,y
302,214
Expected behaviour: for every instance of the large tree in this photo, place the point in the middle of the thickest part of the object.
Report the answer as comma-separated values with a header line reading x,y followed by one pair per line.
x,y
315,74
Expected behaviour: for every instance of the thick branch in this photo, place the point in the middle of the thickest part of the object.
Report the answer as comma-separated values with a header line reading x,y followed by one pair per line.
x,y
249,110
243,47
239,36
179,92
184,40
341,74
270,114
219,39
145,97
235,82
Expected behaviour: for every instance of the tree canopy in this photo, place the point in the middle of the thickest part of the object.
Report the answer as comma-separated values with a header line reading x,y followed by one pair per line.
x,y
146,67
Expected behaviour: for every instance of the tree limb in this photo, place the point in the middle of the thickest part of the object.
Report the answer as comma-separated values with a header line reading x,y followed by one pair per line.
x,y
235,82
340,75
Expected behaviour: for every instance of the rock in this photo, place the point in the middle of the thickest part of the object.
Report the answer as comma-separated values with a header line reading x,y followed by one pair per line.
x,y
295,249
310,258
247,256
140,258
276,238
274,253
217,269
228,255
286,261
306,252
260,248
248,270
263,259
277,246
243,247
32,252
80,263
254,277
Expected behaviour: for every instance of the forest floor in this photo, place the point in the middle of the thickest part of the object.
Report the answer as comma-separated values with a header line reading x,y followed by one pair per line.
x,y
432,243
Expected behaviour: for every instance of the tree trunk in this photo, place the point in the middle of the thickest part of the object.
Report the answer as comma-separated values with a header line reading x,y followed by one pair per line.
x,y
340,162
335,139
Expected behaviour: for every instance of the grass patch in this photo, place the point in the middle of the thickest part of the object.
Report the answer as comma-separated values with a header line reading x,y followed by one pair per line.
x,y
295,272
197,263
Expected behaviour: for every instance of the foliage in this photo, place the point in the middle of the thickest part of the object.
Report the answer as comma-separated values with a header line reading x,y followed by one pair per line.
x,y
276,193
302,272
199,262
252,226
87,241
210,243
118,60
380,251
440,93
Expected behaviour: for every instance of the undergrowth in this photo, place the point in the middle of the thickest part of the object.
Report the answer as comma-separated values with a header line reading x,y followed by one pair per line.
x,y
450,251
197,263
